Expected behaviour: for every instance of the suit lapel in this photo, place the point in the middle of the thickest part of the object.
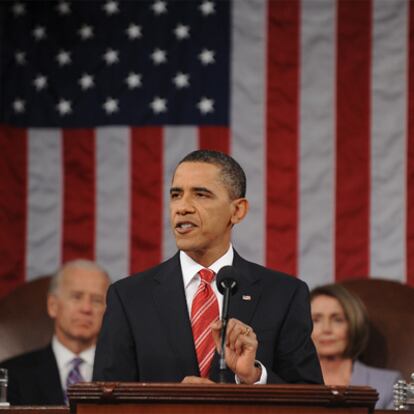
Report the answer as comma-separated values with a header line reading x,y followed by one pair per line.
x,y
170,302
242,305
48,379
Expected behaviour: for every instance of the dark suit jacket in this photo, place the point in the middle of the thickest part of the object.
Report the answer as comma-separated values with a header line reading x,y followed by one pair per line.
x,y
34,379
146,334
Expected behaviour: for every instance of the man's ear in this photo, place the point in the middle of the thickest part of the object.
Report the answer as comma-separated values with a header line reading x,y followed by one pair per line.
x,y
52,305
240,209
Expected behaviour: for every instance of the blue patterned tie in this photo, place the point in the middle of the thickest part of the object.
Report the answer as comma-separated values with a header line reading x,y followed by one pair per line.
x,y
74,375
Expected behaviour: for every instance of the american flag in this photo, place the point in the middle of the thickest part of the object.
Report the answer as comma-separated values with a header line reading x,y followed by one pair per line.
x,y
100,100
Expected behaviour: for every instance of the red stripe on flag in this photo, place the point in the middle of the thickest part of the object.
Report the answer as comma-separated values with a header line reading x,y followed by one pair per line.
x,y
13,207
79,194
410,152
214,138
353,139
282,135
146,198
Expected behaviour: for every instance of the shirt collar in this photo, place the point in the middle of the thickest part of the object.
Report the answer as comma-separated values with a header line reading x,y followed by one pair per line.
x,y
65,356
190,268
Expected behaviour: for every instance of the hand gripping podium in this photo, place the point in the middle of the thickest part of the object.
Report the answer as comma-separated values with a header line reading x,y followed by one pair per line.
x,y
166,398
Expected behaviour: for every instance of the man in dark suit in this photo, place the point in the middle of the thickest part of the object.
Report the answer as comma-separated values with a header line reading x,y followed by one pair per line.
x,y
76,303
151,328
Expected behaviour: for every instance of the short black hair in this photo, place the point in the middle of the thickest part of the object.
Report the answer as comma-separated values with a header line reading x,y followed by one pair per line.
x,y
231,172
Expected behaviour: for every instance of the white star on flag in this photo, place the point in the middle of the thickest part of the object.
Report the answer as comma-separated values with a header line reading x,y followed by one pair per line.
x,y
18,9
158,105
133,80
64,107
20,57
159,7
182,32
134,31
63,8
111,7
181,80
206,105
111,106
39,32
86,81
111,57
40,82
63,58
19,105
206,56
207,8
86,32
159,56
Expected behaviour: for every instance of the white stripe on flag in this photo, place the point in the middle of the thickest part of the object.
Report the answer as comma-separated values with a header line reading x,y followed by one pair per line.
x,y
388,139
316,147
45,188
178,142
248,143
113,200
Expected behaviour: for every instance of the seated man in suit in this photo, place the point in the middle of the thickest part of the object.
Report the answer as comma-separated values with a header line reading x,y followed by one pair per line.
x,y
162,325
76,303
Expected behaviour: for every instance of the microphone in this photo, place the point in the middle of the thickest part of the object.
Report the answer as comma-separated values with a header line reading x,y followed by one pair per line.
x,y
226,281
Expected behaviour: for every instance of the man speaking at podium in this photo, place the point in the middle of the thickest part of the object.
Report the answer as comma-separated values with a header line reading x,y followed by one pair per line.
x,y
163,325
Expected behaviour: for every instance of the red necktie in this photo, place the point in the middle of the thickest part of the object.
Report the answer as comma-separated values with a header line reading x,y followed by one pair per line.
x,y
204,310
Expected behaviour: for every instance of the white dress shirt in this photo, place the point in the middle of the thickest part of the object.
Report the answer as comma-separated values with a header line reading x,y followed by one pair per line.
x,y
64,358
191,279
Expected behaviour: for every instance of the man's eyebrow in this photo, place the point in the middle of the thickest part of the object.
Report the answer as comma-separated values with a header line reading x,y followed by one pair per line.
x,y
202,190
194,189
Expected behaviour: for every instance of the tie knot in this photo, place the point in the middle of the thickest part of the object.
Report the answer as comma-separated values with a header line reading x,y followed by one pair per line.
x,y
76,362
206,275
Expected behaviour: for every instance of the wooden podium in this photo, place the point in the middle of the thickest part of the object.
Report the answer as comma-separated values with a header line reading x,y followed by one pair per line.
x,y
166,398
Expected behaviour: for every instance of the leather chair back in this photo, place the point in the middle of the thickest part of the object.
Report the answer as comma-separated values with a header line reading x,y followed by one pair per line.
x,y
24,322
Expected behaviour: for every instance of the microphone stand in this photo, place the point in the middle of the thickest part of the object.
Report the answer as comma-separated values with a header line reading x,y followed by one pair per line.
x,y
224,320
